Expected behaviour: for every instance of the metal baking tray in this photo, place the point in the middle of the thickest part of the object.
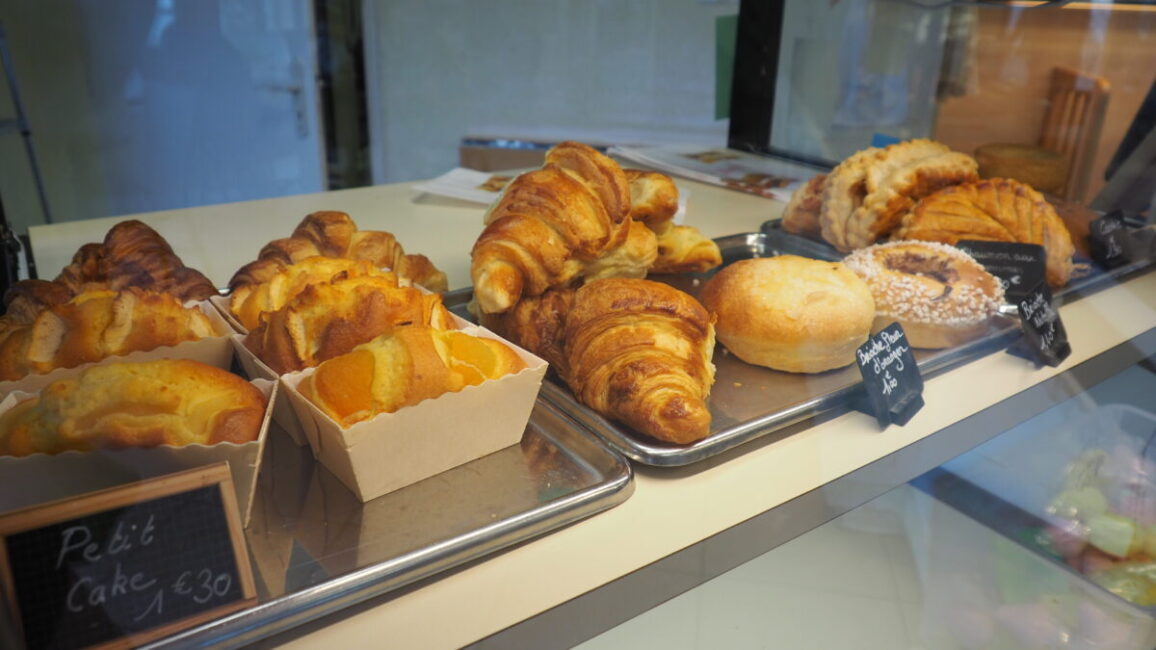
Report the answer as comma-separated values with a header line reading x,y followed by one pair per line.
x,y
316,549
747,401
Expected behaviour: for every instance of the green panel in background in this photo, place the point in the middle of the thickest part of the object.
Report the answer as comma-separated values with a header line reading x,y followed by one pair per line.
x,y
725,28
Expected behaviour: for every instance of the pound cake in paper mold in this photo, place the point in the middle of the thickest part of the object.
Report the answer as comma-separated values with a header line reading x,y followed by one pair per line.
x,y
122,422
461,418
325,320
104,326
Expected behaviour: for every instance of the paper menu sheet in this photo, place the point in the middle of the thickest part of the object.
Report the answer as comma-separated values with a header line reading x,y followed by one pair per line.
x,y
763,176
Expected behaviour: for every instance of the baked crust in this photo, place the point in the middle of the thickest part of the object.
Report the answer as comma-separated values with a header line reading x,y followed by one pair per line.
x,y
865,196
997,209
801,216
790,313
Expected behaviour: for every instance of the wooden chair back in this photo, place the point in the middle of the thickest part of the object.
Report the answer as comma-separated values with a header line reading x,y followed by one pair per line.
x,y
1073,122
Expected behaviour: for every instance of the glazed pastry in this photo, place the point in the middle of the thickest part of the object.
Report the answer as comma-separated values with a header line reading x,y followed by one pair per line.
x,y
165,402
640,352
683,249
334,234
790,313
403,367
867,194
96,325
326,320
131,255
997,209
653,199
937,293
250,301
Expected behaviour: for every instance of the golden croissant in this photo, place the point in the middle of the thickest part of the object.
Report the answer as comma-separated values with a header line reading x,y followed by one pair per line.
x,y
334,234
548,225
165,402
680,249
640,352
996,209
633,350
403,367
326,320
95,325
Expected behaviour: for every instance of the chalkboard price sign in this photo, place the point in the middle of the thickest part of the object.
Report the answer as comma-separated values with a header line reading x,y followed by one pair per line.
x,y
1019,267
1109,240
891,378
123,566
1045,338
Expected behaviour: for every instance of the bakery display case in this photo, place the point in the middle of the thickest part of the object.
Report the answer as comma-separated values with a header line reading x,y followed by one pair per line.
x,y
598,404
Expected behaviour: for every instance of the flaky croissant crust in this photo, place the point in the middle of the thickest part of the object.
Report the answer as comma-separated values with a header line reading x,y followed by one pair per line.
x,y
640,352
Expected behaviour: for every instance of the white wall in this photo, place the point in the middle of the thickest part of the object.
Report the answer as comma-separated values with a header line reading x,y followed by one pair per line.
x,y
602,71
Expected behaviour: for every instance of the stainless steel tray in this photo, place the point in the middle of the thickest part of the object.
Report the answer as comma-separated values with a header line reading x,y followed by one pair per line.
x,y
748,402
316,549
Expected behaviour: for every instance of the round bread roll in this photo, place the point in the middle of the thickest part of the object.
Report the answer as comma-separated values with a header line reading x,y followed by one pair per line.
x,y
790,313
939,294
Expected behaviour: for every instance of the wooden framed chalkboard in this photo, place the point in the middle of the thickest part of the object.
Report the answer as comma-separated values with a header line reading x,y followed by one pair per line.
x,y
119,567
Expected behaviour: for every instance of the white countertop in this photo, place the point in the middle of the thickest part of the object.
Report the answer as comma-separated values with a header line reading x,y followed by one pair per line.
x,y
219,239
670,508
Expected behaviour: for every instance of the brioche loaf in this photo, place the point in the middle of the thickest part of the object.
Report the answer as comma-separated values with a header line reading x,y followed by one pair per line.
x,y
334,234
326,320
166,402
403,367
95,325
790,313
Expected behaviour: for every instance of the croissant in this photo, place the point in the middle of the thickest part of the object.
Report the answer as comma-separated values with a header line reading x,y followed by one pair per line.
x,y
165,402
995,209
542,231
640,352
653,199
536,323
326,320
96,325
403,367
630,259
334,234
131,255
250,301
680,249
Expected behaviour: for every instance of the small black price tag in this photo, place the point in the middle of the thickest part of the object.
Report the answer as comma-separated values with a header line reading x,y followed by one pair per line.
x,y
1045,338
1110,240
126,565
1020,267
891,378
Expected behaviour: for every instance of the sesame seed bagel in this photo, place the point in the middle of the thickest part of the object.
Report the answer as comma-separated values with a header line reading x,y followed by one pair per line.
x,y
790,313
939,294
